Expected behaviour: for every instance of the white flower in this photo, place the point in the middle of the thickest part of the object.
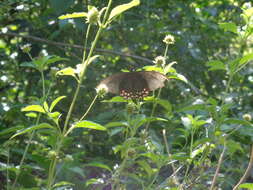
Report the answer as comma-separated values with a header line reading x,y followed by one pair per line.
x,y
160,61
169,39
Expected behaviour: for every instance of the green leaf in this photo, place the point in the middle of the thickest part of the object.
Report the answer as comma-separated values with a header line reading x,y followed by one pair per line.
x,y
165,104
55,102
246,59
153,68
91,59
179,77
36,108
90,125
115,131
10,130
247,186
54,115
93,181
32,128
198,150
28,64
192,108
146,167
149,119
237,122
233,65
73,15
53,59
231,27
116,99
31,114
100,165
78,171
168,68
45,105
122,8
63,183
116,124
248,12
68,71
216,65
156,158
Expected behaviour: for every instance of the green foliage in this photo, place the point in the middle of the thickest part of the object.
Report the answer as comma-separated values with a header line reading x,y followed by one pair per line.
x,y
56,133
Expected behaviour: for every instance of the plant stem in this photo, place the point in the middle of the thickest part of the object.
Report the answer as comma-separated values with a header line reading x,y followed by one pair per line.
x,y
166,51
85,43
43,85
169,155
52,172
218,167
121,167
25,152
247,172
7,170
88,110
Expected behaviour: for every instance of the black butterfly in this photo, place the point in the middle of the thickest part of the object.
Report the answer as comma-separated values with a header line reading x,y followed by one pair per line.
x,y
133,85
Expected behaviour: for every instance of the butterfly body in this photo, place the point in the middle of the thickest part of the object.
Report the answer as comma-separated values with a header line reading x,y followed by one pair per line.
x,y
133,85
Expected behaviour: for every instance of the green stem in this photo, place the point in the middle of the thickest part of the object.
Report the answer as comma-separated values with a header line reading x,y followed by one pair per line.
x,y
175,179
117,180
85,43
218,167
52,172
159,92
153,109
166,50
25,153
88,110
7,169
43,85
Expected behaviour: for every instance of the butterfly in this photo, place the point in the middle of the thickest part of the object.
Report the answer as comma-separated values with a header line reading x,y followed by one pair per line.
x,y
133,85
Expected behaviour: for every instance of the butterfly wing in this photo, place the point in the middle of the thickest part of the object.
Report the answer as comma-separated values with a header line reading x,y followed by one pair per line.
x,y
154,79
112,83
133,84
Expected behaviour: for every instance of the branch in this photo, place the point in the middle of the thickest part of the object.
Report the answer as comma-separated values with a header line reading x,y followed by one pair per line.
x,y
61,44
218,168
247,172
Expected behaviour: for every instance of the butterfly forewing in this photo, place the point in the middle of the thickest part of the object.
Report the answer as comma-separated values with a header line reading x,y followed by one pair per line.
x,y
155,79
112,82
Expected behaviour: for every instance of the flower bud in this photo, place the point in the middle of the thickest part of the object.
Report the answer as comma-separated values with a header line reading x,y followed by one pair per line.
x,y
93,15
247,117
26,48
131,152
52,154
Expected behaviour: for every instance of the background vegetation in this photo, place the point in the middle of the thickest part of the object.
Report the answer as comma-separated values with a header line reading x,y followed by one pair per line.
x,y
195,133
